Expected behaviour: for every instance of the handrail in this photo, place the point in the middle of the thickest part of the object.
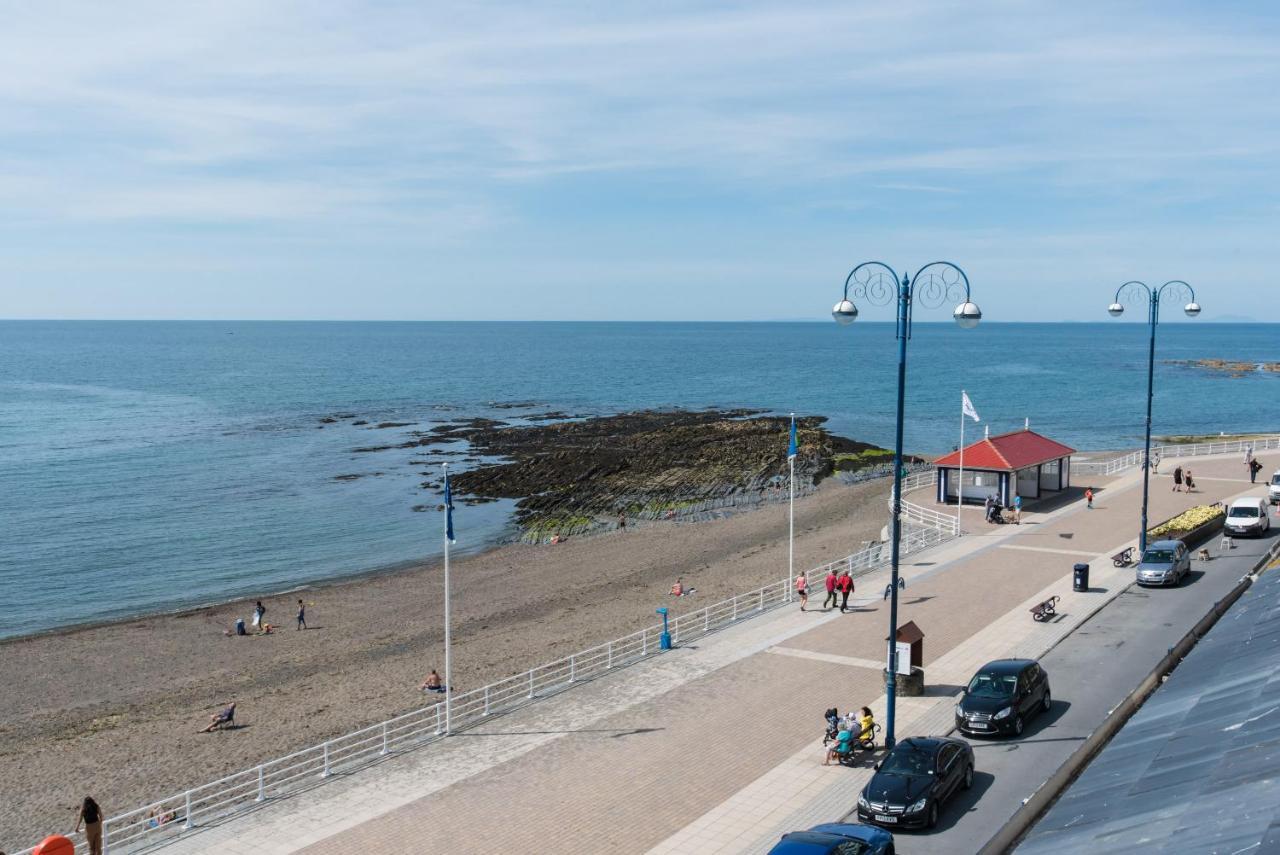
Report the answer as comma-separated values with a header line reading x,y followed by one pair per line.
x,y
142,827
1161,452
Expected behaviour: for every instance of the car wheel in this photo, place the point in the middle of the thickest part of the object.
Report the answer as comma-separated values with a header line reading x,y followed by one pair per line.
x,y
1017,725
968,778
1047,702
932,821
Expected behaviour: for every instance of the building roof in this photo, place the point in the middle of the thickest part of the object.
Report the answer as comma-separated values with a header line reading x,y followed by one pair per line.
x,y
1194,770
1008,452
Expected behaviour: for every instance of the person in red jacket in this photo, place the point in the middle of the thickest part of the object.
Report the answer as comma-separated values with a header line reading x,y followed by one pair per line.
x,y
845,586
830,601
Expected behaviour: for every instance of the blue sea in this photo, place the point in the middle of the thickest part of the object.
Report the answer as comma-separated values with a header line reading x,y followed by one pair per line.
x,y
158,465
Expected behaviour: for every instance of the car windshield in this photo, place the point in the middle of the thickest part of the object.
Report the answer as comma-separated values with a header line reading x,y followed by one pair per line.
x,y
1157,556
1275,479
1244,511
906,760
993,685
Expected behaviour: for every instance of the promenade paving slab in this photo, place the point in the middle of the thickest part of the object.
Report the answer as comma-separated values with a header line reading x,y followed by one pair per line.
x,y
714,748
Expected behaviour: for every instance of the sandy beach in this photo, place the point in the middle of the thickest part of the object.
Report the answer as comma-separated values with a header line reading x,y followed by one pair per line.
x,y
114,710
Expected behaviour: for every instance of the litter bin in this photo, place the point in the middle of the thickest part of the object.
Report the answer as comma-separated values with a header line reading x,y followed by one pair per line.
x,y
1081,577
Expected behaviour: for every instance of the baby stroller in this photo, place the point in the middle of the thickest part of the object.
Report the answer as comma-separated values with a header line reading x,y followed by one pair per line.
x,y
833,725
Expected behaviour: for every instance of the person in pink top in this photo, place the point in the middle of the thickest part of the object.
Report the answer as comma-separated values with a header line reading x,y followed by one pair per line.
x,y
831,590
802,589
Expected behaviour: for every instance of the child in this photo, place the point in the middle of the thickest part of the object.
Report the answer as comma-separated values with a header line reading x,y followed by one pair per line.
x,y
1088,498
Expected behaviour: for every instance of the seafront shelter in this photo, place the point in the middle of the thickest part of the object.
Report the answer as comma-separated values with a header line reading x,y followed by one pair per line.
x,y
1022,463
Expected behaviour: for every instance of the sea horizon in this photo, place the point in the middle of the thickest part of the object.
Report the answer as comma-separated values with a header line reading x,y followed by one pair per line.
x,y
152,466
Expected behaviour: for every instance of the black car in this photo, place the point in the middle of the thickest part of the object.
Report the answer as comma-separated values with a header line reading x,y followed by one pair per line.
x,y
1002,696
914,780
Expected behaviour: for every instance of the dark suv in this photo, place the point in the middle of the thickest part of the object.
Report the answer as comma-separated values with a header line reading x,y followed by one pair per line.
x,y
1002,696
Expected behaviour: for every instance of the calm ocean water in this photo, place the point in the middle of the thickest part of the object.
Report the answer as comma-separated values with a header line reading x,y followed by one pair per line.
x,y
151,466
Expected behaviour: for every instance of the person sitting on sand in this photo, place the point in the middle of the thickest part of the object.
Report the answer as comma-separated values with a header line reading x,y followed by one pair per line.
x,y
433,683
225,716
677,590
266,629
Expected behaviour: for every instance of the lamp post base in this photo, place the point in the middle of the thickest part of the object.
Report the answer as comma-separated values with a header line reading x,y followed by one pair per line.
x,y
908,685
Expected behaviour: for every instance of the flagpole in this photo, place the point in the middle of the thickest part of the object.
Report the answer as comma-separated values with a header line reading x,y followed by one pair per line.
x,y
960,479
448,637
791,522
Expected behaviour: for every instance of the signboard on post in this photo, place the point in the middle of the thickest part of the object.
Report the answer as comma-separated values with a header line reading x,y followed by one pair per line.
x,y
904,657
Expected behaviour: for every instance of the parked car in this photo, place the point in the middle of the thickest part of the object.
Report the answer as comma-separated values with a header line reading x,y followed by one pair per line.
x,y
1002,696
1248,516
914,781
835,838
1273,489
1165,562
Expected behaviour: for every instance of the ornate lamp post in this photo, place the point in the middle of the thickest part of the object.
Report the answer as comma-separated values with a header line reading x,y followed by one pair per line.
x,y
1134,292
876,283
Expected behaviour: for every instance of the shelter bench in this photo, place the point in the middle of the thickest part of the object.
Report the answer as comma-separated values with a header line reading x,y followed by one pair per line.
x,y
1045,610
1123,557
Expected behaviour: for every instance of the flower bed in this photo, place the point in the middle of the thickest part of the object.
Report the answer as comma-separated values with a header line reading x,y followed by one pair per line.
x,y
1191,525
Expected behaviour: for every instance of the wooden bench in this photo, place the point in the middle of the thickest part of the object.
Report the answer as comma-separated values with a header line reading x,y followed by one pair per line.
x,y
1123,557
1045,610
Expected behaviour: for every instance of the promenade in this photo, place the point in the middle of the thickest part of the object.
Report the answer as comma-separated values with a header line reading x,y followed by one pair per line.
x,y
715,747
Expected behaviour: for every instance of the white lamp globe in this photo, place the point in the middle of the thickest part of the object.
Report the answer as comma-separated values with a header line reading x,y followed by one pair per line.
x,y
844,312
967,315
1115,310
1192,309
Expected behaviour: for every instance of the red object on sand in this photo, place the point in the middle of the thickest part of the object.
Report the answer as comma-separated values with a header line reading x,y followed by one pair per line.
x,y
55,844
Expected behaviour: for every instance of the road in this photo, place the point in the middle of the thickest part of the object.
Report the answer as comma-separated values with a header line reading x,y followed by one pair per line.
x,y
1090,672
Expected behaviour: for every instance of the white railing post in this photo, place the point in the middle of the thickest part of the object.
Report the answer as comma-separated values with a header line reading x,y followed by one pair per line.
x,y
572,669
190,821
609,663
486,700
761,607
262,789
325,773
644,642
439,730
531,682
706,619
383,752
735,609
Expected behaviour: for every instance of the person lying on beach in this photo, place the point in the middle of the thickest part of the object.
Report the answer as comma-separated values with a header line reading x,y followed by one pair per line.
x,y
433,683
225,716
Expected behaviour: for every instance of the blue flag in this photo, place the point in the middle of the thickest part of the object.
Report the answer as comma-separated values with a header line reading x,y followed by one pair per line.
x,y
794,448
448,509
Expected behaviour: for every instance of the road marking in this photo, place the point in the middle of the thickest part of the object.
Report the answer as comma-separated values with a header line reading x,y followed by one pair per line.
x,y
825,657
1046,549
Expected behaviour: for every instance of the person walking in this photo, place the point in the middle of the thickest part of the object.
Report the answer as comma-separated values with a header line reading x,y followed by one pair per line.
x,y
1088,498
1017,510
302,615
845,586
1254,468
91,815
1177,480
1186,477
802,590
1155,462
830,601
259,611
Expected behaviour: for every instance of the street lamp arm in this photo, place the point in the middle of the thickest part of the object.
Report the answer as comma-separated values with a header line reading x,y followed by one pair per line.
x,y
871,285
1136,284
1176,283
941,286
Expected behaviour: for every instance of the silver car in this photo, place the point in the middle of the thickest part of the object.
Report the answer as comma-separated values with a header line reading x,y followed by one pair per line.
x,y
1165,562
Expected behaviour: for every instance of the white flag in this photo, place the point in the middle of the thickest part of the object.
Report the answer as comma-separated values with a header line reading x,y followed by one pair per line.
x,y
967,406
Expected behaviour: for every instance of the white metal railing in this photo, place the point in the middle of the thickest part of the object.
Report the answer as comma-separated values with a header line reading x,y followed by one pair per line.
x,y
916,480
1163,452
160,821
930,518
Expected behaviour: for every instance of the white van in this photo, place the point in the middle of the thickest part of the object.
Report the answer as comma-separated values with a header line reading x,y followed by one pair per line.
x,y
1273,490
1249,515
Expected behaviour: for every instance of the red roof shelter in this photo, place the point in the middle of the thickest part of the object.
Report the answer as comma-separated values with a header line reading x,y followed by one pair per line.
x,y
1021,463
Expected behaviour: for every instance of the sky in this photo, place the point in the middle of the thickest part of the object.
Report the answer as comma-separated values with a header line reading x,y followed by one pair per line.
x,y
630,161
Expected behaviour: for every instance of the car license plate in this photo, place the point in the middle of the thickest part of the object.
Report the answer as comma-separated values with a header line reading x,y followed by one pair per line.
x,y
973,725
882,818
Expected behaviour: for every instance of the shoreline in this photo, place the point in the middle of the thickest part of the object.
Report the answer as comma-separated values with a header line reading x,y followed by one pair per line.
x,y
85,703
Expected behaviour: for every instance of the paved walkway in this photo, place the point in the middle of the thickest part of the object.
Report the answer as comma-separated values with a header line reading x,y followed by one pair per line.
x,y
715,748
